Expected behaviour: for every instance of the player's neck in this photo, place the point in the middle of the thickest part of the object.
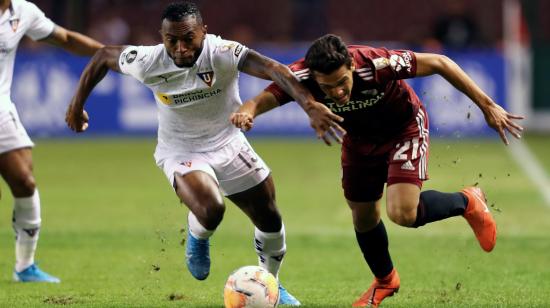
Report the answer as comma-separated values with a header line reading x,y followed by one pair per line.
x,y
4,5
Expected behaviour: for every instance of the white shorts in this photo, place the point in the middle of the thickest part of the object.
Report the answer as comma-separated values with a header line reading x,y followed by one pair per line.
x,y
12,133
235,166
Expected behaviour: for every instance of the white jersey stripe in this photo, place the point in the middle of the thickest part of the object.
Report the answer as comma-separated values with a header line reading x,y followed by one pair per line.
x,y
424,135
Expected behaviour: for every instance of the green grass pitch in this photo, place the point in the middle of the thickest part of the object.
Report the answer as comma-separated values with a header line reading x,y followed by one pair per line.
x,y
112,231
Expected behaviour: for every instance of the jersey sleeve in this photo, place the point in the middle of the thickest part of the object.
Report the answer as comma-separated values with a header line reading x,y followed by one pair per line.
x,y
230,54
300,72
136,60
394,64
281,96
40,25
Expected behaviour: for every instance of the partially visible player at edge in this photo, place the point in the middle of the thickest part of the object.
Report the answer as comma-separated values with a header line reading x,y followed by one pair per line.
x,y
386,142
19,18
194,78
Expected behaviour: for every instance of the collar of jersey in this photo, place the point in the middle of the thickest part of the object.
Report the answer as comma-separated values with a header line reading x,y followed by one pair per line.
x,y
10,12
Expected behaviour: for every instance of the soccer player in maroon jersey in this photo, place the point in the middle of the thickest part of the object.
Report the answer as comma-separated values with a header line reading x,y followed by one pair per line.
x,y
386,140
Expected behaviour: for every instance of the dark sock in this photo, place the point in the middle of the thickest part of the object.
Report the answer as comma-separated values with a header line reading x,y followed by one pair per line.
x,y
435,205
374,245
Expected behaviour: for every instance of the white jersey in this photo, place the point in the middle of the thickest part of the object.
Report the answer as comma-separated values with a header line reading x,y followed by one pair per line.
x,y
194,103
22,18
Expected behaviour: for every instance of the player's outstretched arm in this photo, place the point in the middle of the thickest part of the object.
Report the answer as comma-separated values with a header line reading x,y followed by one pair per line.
x,y
243,118
74,42
104,59
497,118
323,121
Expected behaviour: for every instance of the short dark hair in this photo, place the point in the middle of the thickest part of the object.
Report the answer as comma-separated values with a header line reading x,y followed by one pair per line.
x,y
177,11
327,54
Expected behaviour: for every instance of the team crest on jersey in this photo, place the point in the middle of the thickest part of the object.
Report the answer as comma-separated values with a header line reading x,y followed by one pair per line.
x,y
380,63
14,22
207,77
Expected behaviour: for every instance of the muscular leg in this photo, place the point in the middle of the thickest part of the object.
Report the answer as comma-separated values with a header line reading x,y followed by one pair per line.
x,y
258,203
371,236
408,207
16,169
200,193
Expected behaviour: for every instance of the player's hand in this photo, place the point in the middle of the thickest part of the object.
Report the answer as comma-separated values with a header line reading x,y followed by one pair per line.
x,y
242,120
325,123
502,121
77,118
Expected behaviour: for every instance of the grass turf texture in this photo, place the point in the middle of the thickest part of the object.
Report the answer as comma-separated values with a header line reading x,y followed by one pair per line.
x,y
112,231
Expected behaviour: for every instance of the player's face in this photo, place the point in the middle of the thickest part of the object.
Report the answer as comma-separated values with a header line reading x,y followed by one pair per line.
x,y
183,40
336,85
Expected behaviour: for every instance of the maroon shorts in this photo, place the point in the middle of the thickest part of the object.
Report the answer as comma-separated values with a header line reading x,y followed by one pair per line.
x,y
367,166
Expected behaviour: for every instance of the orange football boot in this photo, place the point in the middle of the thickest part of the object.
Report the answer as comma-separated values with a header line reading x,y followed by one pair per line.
x,y
480,219
379,289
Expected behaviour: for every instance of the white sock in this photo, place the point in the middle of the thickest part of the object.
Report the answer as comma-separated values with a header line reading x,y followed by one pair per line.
x,y
271,248
26,223
196,229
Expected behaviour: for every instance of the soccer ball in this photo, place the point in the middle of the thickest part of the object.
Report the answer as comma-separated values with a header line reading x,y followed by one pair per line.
x,y
251,287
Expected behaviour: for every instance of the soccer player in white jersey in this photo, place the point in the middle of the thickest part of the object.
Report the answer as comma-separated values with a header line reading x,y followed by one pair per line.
x,y
194,78
19,18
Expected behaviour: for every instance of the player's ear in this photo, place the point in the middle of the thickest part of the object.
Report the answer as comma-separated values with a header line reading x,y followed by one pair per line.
x,y
352,66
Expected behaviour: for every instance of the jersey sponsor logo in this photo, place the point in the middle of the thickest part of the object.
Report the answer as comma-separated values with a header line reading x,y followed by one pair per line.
x,y
187,164
207,77
354,105
399,62
164,98
122,57
131,56
408,166
227,47
142,59
181,99
238,50
370,92
166,77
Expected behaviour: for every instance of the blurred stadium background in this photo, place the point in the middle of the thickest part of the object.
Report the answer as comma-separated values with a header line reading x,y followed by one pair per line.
x,y
502,44
123,207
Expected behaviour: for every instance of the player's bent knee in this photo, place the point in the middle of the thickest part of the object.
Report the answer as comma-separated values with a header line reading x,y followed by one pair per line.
x,y
402,216
211,215
23,186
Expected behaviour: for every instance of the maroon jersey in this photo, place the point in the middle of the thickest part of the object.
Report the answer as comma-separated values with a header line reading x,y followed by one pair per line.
x,y
381,104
